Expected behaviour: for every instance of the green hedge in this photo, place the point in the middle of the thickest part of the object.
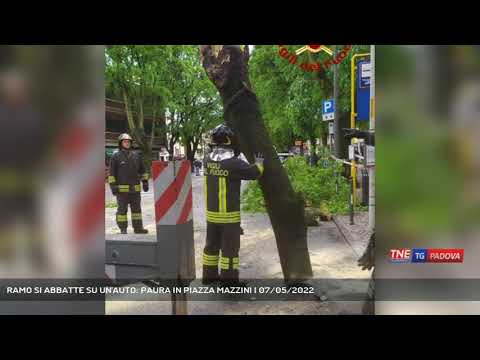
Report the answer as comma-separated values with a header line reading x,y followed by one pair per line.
x,y
316,184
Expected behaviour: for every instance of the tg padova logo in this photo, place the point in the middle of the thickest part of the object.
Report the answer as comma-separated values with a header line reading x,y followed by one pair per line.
x,y
426,255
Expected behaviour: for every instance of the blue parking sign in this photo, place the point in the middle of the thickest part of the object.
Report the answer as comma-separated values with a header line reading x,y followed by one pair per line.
x,y
328,110
328,106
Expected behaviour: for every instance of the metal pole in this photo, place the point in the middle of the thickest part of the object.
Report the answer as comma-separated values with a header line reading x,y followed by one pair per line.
x,y
336,121
371,169
351,201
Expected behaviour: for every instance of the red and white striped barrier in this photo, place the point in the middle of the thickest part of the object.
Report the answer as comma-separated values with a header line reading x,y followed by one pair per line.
x,y
172,186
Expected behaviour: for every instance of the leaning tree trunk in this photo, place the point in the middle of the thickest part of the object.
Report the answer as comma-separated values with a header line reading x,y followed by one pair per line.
x,y
189,153
227,68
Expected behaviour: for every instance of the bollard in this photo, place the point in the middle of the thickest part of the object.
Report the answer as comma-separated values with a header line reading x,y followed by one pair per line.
x,y
172,185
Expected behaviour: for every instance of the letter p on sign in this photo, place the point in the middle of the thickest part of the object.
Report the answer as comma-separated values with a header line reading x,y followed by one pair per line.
x,y
328,110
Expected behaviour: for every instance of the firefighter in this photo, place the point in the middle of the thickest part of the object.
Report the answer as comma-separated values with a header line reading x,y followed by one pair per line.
x,y
223,172
126,172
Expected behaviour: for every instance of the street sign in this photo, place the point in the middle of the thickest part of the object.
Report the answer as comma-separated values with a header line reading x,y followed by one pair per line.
x,y
364,71
328,110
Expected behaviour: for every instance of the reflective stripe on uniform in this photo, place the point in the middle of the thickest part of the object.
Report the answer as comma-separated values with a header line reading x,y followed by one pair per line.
x,y
236,263
222,221
111,180
225,263
122,218
223,218
136,216
222,195
124,188
145,176
210,260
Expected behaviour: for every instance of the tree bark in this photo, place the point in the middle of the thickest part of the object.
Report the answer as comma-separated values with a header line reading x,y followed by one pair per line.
x,y
313,151
190,154
128,111
227,68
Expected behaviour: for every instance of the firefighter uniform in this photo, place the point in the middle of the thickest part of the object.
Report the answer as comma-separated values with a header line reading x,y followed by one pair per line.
x,y
126,172
222,200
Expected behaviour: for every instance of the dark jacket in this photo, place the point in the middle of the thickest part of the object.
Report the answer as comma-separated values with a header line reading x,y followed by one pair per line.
x,y
126,171
222,187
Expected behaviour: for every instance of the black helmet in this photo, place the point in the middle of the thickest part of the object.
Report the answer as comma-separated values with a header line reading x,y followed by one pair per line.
x,y
222,135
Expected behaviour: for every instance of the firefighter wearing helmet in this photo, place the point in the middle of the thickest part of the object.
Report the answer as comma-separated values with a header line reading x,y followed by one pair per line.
x,y
224,170
126,172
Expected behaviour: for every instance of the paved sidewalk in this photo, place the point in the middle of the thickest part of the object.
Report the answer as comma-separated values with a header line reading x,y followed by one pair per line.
x,y
331,257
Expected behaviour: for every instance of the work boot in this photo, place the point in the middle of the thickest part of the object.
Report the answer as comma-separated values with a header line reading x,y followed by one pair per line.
x,y
140,231
123,231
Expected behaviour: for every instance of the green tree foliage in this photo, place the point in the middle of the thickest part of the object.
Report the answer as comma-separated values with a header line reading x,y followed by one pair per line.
x,y
291,97
168,83
321,187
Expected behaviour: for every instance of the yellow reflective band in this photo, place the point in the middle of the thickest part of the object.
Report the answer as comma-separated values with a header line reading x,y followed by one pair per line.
x,y
145,176
223,217
236,266
136,216
224,199
220,195
260,167
123,188
111,179
219,217
214,262
236,260
224,266
211,265
211,260
225,214
213,257
223,221
138,188
122,218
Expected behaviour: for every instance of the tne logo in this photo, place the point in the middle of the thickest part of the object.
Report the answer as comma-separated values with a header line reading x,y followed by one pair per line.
x,y
426,255
400,255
